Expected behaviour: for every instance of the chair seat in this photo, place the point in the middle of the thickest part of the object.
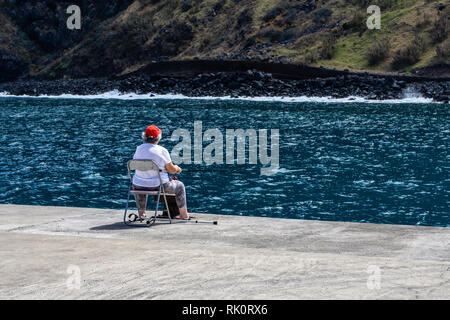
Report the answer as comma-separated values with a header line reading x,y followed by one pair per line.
x,y
150,192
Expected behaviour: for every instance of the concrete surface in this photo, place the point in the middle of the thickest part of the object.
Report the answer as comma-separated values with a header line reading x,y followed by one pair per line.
x,y
44,249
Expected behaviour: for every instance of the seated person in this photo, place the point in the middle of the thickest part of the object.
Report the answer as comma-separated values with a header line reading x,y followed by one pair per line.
x,y
150,150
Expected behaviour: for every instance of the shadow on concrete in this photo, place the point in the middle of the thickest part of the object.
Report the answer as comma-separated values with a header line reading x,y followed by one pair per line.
x,y
114,226
122,226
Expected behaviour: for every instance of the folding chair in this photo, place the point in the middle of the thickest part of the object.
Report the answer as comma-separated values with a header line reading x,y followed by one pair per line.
x,y
148,166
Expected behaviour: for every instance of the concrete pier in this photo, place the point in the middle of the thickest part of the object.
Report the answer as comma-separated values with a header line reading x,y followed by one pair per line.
x,y
80,253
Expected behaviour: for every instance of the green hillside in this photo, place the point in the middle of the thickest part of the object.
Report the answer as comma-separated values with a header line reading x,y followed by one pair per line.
x,y
413,35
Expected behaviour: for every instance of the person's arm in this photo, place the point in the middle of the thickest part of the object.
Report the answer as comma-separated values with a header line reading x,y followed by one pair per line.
x,y
172,168
169,166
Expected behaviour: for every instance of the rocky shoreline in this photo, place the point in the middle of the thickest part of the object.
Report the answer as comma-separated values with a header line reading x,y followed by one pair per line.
x,y
250,83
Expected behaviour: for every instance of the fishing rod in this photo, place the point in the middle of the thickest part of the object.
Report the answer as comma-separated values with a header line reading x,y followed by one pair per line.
x,y
187,221
220,170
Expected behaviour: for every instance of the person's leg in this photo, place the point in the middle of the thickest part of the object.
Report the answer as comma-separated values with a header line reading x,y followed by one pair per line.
x,y
177,187
141,199
183,213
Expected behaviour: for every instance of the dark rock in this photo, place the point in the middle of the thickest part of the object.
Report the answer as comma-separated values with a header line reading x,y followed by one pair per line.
x,y
234,85
248,83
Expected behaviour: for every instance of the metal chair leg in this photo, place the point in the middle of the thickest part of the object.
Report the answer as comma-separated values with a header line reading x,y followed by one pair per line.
x,y
157,206
126,209
165,201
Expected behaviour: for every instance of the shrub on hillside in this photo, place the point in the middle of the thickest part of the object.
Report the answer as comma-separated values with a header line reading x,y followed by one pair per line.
x,y
309,57
186,5
322,15
361,3
410,54
441,27
204,43
250,42
288,34
243,19
357,23
443,51
219,5
383,4
274,35
271,34
422,22
328,46
378,52
274,12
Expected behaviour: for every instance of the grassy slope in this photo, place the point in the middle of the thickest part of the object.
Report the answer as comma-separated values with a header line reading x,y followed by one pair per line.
x,y
399,26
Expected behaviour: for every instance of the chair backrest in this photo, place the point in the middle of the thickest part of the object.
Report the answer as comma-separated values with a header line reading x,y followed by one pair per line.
x,y
142,165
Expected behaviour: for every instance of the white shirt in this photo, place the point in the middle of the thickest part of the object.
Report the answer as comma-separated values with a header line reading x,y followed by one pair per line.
x,y
157,154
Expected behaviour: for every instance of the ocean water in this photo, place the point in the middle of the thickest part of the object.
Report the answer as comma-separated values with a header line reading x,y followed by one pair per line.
x,y
362,162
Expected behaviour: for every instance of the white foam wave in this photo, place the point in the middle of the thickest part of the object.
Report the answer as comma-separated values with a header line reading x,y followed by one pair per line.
x,y
115,94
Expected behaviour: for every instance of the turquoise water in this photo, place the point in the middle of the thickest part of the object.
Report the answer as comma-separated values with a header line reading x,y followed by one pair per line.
x,y
380,163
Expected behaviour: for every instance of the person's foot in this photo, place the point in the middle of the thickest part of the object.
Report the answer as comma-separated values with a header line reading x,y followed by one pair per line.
x,y
180,218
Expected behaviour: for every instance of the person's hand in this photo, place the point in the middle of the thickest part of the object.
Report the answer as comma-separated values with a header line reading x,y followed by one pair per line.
x,y
172,168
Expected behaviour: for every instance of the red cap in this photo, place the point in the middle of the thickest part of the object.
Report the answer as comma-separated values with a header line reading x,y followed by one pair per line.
x,y
152,131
